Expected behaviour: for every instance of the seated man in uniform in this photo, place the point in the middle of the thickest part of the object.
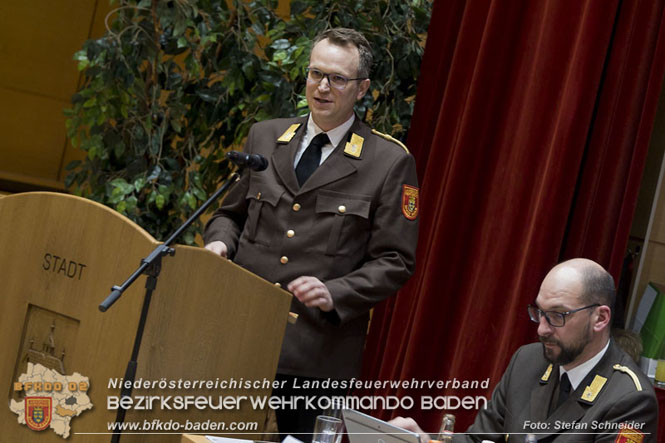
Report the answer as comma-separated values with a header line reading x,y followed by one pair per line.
x,y
576,385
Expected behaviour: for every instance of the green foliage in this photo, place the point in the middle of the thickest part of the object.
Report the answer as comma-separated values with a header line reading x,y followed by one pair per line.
x,y
174,84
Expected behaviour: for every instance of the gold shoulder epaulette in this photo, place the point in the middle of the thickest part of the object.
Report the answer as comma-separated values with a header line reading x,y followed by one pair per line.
x,y
628,371
389,138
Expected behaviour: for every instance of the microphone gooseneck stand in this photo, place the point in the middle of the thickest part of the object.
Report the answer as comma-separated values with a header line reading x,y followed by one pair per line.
x,y
151,266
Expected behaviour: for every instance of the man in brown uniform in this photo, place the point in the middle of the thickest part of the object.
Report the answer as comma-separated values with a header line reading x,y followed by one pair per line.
x,y
576,385
333,218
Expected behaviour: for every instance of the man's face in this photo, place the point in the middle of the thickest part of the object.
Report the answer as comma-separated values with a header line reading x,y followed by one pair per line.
x,y
561,291
329,106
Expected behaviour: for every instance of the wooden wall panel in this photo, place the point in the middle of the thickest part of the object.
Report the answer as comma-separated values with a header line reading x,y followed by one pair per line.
x,y
37,78
652,262
658,228
40,38
653,270
33,134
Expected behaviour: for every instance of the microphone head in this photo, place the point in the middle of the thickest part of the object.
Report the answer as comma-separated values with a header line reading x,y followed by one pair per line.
x,y
256,162
235,156
261,163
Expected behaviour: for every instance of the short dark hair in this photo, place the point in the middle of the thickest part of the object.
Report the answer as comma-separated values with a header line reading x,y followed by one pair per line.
x,y
346,37
598,286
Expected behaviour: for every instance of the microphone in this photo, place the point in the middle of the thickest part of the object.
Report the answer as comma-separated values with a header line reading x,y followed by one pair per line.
x,y
256,162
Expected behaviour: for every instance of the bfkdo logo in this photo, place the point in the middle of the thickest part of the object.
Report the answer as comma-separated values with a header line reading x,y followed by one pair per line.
x,y
38,412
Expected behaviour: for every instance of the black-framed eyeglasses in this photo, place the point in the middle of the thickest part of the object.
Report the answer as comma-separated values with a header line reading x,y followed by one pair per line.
x,y
554,318
337,81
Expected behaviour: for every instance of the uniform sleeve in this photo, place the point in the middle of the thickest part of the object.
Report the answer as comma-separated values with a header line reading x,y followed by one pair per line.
x,y
227,222
391,250
638,409
490,422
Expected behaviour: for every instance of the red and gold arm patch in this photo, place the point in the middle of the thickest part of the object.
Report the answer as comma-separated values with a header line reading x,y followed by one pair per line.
x,y
410,202
629,435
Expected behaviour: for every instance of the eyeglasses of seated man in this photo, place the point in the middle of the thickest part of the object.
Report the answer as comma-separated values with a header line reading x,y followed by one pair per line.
x,y
337,81
554,318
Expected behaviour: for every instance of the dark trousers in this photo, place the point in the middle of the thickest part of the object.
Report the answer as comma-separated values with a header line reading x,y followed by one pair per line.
x,y
299,422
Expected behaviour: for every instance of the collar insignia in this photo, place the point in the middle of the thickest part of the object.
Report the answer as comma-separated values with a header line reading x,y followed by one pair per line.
x,y
546,376
354,147
592,391
289,134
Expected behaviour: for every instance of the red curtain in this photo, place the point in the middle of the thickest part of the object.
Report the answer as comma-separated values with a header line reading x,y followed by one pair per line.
x,y
531,127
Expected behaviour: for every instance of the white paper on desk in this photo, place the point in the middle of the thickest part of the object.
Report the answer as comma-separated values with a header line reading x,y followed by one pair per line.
x,y
226,440
645,306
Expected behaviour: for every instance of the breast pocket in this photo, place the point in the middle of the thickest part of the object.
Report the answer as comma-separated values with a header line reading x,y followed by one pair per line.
x,y
347,218
262,200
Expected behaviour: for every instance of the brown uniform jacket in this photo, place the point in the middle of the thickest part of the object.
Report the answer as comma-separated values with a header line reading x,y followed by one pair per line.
x,y
521,401
349,225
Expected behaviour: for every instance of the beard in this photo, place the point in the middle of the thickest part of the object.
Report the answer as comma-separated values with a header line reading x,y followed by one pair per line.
x,y
567,352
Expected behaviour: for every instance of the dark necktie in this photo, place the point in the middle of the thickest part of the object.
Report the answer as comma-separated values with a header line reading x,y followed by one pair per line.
x,y
311,158
564,389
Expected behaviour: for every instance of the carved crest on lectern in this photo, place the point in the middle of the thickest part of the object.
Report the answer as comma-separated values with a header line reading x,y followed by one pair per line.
x,y
48,339
46,356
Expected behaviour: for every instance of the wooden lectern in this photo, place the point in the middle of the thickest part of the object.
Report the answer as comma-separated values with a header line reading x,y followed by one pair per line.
x,y
211,324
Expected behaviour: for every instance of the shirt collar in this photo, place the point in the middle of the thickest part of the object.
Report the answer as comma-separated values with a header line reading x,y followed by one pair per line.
x,y
335,135
578,373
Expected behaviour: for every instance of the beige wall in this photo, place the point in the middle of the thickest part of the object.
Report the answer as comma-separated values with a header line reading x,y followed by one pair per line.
x,y
648,229
37,77
652,263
